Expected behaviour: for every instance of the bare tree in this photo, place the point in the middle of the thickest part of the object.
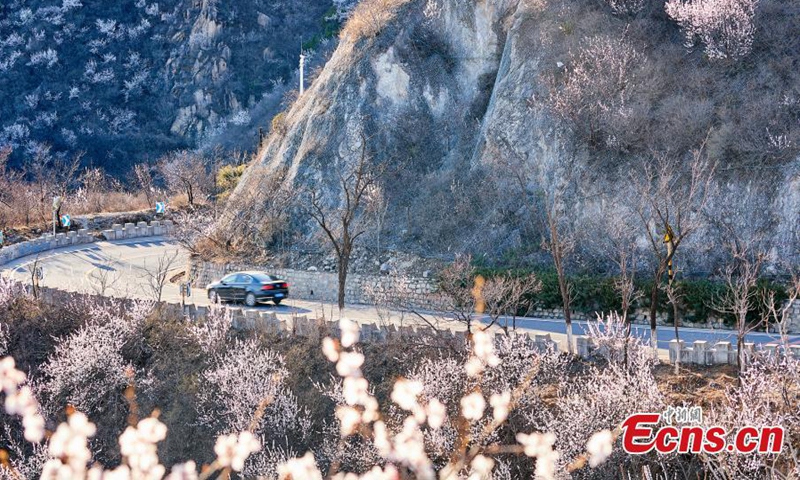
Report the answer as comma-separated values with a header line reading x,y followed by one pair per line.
x,y
156,276
376,197
352,215
741,295
95,184
35,270
547,184
187,173
104,278
50,176
143,174
506,295
781,316
671,197
623,254
674,296
461,287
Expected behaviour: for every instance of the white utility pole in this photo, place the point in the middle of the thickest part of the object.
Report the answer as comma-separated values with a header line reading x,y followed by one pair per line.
x,y
302,65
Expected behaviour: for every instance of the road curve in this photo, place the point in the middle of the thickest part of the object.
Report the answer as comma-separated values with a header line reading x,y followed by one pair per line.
x,y
119,269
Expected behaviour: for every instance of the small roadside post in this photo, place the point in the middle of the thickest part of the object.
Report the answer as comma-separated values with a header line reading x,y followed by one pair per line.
x,y
186,292
37,275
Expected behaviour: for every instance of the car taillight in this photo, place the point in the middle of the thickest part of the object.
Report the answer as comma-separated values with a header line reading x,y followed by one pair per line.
x,y
285,285
267,287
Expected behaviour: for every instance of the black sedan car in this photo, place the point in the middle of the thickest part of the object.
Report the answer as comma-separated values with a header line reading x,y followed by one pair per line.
x,y
251,288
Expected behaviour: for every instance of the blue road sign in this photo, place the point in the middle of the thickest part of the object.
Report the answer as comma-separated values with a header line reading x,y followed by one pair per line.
x,y
161,207
66,221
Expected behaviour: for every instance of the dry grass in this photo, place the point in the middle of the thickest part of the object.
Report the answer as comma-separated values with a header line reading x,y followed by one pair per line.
x,y
703,386
369,18
30,214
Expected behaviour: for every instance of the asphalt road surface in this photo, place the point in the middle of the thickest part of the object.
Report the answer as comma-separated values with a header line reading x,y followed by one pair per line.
x,y
120,269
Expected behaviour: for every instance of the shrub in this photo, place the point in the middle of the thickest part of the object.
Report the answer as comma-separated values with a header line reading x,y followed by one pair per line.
x,y
370,17
598,88
767,395
596,294
245,387
228,178
279,123
626,7
88,367
725,27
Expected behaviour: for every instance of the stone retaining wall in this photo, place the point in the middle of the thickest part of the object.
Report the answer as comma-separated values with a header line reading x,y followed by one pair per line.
x,y
83,236
323,286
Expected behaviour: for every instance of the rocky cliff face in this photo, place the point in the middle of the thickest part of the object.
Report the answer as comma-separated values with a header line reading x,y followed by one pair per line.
x,y
445,93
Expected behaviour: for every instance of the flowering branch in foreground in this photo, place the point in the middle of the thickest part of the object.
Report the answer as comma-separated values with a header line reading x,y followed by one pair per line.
x,y
405,449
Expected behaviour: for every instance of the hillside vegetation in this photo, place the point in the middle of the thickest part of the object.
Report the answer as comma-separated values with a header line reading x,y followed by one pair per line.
x,y
126,81
124,365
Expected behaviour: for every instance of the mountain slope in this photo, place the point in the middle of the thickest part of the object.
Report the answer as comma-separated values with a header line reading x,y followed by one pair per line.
x,y
449,92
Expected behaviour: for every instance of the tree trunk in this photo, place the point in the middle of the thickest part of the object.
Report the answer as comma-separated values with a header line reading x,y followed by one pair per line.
x,y
562,286
654,308
344,261
675,318
739,355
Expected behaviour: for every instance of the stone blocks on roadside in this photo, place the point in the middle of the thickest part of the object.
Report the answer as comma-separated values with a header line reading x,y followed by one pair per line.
x,y
702,353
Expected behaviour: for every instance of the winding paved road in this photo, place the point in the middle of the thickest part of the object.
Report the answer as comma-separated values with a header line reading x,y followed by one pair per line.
x,y
122,266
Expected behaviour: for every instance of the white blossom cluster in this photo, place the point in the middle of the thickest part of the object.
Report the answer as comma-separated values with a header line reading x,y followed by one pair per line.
x,y
232,450
47,57
20,400
68,446
725,27
10,290
88,366
601,401
422,423
245,380
599,84
212,334
767,395
611,341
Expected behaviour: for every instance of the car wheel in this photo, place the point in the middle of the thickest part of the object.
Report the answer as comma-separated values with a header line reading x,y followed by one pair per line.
x,y
250,300
213,297
277,301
